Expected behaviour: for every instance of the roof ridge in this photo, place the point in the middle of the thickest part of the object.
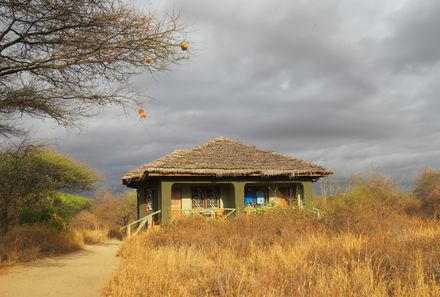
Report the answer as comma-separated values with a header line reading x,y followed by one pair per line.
x,y
258,148
217,139
175,153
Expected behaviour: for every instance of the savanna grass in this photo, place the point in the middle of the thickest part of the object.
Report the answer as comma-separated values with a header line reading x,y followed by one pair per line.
x,y
280,254
365,245
27,243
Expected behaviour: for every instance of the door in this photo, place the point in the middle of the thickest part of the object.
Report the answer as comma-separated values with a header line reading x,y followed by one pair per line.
x,y
283,196
176,203
256,196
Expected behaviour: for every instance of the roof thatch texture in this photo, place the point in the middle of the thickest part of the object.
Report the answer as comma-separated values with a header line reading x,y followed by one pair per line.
x,y
225,157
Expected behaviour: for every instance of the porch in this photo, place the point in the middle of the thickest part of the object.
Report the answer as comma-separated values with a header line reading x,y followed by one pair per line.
x,y
169,200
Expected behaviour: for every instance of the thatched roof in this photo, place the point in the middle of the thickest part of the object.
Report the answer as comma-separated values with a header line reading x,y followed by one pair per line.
x,y
225,157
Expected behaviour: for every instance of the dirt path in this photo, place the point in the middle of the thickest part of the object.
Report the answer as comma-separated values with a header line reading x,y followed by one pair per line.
x,y
82,274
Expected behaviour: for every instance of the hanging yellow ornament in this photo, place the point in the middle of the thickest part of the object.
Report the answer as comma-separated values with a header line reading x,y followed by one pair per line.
x,y
184,45
149,60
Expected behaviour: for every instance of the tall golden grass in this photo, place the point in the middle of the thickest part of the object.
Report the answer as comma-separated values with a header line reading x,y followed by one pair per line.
x,y
86,224
280,254
365,245
94,236
26,243
30,242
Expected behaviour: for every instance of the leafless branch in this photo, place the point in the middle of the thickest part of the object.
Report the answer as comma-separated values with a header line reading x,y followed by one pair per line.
x,y
58,56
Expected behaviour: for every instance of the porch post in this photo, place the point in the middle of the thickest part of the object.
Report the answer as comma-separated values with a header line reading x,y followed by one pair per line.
x,y
165,202
141,201
239,195
308,194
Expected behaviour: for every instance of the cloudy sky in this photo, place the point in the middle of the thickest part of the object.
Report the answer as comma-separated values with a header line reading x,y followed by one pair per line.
x,y
352,85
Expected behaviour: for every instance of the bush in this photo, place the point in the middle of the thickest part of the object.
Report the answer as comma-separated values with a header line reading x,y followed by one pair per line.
x,y
56,211
365,204
427,191
70,204
84,220
113,211
30,180
93,236
114,234
47,215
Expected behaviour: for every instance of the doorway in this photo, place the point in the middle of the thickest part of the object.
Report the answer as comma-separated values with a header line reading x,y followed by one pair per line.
x,y
176,203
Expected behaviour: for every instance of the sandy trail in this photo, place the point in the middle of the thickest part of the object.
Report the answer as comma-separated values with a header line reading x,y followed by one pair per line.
x,y
82,274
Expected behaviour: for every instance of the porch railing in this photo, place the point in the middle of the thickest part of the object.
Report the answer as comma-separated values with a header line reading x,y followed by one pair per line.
x,y
141,224
219,213
318,212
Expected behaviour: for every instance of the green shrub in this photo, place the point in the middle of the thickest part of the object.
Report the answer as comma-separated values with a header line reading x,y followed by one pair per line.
x,y
69,204
31,177
46,215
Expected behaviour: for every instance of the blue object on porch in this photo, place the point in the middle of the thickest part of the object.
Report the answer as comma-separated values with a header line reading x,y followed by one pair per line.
x,y
260,197
249,198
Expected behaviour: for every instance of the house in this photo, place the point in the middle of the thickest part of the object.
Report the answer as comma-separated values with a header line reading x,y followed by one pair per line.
x,y
220,177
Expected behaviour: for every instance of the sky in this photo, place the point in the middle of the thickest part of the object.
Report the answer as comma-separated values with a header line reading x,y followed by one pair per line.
x,y
350,85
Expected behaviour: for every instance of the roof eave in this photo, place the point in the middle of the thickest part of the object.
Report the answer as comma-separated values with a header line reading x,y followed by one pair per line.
x,y
126,180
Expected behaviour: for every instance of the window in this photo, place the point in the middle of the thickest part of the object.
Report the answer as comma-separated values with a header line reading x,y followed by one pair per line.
x,y
205,197
148,199
197,198
212,198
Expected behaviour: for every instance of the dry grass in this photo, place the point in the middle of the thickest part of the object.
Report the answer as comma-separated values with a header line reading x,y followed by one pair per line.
x,y
366,245
26,243
87,224
94,236
29,242
280,254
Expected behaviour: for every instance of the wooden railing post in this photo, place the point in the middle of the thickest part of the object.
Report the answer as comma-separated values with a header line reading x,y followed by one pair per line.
x,y
141,223
318,212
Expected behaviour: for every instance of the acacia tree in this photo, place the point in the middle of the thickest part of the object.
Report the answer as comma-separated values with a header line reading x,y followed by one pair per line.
x,y
59,58
30,176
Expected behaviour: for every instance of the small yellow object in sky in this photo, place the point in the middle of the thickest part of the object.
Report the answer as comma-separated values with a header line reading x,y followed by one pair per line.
x,y
184,45
142,114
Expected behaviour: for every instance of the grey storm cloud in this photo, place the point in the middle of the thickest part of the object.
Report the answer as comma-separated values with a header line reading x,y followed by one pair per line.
x,y
352,85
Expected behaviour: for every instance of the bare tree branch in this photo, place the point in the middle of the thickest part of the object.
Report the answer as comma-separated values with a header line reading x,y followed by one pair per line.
x,y
57,57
